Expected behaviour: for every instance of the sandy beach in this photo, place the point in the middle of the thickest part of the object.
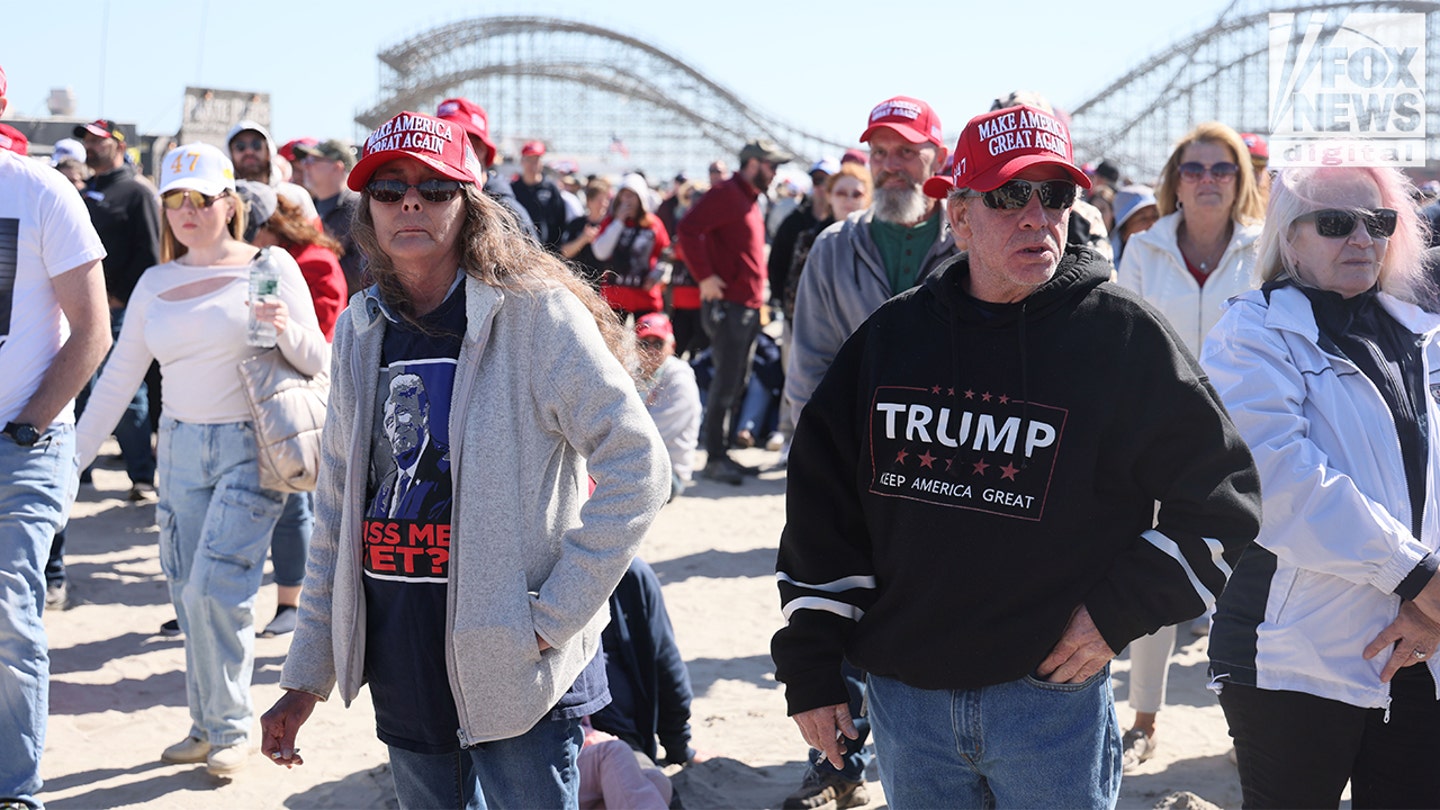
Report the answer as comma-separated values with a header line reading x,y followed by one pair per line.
x,y
118,688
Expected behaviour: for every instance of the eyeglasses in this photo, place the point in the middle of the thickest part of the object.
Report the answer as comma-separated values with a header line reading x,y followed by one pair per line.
x,y
1338,223
175,198
1222,172
393,191
1056,195
253,144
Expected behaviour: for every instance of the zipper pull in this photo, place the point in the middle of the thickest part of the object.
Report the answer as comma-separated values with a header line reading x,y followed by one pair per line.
x,y
1387,709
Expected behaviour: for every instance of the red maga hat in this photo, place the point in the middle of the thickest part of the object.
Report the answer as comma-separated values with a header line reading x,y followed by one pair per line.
x,y
472,118
439,144
656,324
533,148
14,140
910,118
998,145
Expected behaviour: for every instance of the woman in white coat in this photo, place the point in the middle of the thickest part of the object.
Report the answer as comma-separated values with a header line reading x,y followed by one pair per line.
x,y
1323,640
1196,256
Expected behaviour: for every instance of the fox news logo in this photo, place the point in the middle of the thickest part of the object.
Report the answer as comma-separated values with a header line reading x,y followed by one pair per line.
x,y
1347,90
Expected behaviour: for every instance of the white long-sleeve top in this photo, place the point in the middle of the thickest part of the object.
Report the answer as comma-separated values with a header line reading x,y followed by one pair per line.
x,y
199,342
673,399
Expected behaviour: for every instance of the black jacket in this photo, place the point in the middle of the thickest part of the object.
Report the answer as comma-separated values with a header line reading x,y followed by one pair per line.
x,y
126,214
649,683
967,475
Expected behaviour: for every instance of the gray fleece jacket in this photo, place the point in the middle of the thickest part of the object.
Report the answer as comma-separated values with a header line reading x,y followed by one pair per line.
x,y
539,402
843,282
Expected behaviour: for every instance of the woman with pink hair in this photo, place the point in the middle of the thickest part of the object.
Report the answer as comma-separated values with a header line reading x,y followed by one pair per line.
x,y
1323,641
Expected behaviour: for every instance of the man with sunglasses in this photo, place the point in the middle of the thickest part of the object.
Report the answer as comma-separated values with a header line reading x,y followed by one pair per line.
x,y
971,499
254,153
50,276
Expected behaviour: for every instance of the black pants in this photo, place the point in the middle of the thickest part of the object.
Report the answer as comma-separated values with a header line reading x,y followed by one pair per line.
x,y
1297,751
732,329
689,337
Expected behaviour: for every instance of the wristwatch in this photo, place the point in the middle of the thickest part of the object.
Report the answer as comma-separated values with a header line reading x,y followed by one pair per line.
x,y
24,435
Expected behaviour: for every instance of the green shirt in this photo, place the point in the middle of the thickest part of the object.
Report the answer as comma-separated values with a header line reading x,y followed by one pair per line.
x,y
903,248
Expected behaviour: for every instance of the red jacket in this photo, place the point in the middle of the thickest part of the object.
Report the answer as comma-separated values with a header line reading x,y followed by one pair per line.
x,y
723,235
326,281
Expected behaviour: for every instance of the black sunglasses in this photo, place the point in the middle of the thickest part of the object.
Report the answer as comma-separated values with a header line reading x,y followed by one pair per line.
x,y
1338,223
1222,171
393,191
1014,195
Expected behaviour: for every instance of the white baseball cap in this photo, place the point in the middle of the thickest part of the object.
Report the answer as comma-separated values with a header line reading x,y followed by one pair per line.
x,y
197,166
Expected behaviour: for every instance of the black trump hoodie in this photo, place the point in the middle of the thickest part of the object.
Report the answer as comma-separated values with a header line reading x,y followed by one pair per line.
x,y
968,474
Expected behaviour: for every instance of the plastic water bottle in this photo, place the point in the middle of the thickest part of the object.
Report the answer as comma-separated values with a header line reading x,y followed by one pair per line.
x,y
264,288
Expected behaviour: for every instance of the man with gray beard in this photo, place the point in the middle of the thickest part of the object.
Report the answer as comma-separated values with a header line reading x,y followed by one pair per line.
x,y
857,264
854,267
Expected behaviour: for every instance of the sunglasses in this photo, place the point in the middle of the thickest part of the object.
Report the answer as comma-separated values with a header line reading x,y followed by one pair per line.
x,y
1056,195
241,144
393,191
1223,172
854,195
175,199
1338,223
652,343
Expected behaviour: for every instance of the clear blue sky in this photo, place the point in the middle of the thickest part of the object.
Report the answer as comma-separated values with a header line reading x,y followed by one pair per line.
x,y
819,70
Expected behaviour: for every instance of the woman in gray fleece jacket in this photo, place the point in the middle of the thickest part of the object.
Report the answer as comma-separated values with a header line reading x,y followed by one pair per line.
x,y
479,610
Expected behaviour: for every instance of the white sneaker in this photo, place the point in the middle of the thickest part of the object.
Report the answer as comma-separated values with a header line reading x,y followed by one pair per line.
x,y
775,441
227,759
186,752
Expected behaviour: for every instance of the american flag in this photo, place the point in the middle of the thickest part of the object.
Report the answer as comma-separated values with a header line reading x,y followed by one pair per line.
x,y
618,146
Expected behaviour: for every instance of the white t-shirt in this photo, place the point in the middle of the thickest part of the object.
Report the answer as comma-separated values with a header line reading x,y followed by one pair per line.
x,y
45,230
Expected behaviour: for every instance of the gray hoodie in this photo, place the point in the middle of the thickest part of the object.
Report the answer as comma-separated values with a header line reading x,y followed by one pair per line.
x,y
539,403
843,282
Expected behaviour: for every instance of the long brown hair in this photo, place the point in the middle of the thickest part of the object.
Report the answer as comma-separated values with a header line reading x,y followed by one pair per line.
x,y
291,228
494,250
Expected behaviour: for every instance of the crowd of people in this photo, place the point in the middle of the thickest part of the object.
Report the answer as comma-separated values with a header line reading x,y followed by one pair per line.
x,y
1030,413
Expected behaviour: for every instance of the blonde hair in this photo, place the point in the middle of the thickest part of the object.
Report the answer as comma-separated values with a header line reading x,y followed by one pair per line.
x,y
1248,208
172,249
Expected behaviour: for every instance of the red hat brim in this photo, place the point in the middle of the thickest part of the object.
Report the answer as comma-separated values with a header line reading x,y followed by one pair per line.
x,y
910,134
996,176
360,175
462,120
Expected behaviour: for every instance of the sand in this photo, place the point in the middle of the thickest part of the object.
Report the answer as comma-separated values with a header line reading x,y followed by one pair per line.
x,y
118,688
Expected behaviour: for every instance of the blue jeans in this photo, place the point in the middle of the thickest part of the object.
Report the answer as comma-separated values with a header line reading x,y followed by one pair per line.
x,y
857,758
215,525
755,409
1025,743
290,542
37,487
540,768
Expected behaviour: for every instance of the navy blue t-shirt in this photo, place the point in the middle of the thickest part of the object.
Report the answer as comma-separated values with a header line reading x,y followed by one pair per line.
x,y
407,532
